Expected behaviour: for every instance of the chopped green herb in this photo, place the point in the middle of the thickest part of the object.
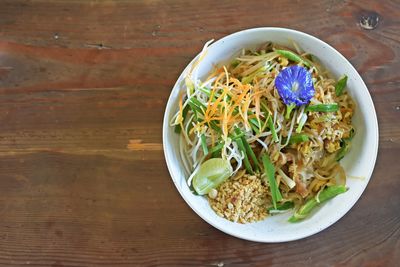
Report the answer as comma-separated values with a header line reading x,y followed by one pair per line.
x,y
323,107
204,144
184,113
341,84
345,145
246,161
269,171
298,138
326,194
249,151
293,57
282,206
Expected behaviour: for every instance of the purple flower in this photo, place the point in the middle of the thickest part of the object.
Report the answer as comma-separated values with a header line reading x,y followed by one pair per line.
x,y
295,85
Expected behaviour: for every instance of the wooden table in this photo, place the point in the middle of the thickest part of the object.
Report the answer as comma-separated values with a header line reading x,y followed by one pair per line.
x,y
80,80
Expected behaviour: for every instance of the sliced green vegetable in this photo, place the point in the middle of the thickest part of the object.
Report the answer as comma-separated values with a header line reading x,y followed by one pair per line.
x,y
215,151
298,138
215,127
314,58
269,171
254,125
199,107
204,144
198,104
253,121
189,86
190,124
246,161
236,136
323,107
216,154
273,130
341,84
216,148
193,103
270,122
194,109
352,133
205,90
293,57
235,63
326,194
283,206
184,113
345,145
249,151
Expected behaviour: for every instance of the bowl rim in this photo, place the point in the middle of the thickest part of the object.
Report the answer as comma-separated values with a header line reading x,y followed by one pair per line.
x,y
373,120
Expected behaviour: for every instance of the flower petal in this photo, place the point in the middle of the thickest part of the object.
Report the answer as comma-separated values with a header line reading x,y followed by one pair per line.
x,y
295,85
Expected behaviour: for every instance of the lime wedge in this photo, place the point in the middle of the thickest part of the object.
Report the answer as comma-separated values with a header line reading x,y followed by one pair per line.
x,y
211,174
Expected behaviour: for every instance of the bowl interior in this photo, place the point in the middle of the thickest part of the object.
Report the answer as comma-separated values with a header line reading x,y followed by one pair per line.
x,y
358,163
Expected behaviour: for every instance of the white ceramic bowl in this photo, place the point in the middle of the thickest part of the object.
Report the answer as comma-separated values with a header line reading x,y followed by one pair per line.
x,y
358,162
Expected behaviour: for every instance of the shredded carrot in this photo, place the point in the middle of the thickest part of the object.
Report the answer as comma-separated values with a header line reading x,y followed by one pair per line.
x,y
212,108
242,96
214,73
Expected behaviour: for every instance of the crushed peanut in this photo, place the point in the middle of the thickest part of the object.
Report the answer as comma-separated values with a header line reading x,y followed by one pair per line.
x,y
241,199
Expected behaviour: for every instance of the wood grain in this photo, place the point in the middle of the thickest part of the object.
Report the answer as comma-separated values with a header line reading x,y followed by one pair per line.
x,y
83,88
